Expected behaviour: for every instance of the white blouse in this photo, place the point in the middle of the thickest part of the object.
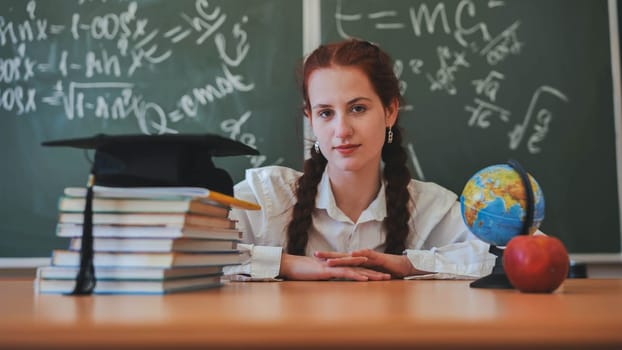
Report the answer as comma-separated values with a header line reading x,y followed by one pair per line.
x,y
438,242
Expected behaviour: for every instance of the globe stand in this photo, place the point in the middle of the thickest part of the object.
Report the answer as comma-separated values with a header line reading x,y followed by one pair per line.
x,y
497,278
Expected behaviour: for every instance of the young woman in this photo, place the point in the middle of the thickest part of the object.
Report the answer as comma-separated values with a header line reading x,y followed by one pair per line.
x,y
354,212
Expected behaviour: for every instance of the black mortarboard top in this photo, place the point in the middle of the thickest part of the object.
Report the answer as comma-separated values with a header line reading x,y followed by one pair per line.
x,y
179,160
161,160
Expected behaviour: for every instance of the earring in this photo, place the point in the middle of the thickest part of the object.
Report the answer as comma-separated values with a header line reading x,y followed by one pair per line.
x,y
316,146
389,135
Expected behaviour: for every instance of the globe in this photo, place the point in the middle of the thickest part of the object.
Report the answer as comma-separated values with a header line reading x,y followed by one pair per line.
x,y
494,203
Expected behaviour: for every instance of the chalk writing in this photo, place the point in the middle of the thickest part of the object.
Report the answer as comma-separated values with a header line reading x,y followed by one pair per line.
x,y
413,157
421,16
233,128
29,30
203,23
482,111
480,114
543,118
398,68
422,20
416,65
18,99
18,68
445,76
489,85
223,85
502,45
461,31
97,62
241,49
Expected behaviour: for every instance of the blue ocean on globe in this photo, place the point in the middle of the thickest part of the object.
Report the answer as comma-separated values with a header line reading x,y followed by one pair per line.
x,y
494,203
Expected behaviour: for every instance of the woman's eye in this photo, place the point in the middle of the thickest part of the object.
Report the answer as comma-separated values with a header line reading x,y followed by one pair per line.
x,y
358,109
324,114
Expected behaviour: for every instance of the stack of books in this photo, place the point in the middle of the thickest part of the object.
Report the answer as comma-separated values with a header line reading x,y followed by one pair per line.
x,y
145,240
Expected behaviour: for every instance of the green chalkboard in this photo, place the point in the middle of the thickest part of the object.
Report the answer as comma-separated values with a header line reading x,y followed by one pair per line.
x,y
486,81
73,68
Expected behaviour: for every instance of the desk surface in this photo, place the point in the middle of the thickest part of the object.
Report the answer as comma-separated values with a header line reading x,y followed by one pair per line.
x,y
583,313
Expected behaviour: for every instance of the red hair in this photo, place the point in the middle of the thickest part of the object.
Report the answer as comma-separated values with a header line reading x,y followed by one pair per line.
x,y
363,55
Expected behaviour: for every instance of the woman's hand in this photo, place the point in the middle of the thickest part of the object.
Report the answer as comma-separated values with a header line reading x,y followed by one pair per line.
x,y
296,267
397,265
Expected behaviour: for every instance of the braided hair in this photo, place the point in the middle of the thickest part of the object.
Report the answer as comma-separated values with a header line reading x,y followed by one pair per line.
x,y
378,67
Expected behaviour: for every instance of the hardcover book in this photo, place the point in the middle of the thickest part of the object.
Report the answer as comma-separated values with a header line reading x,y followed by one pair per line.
x,y
149,219
124,205
131,287
170,259
163,192
170,231
157,245
128,273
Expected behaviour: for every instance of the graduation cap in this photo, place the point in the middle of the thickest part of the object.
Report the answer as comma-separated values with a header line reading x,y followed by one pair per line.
x,y
183,160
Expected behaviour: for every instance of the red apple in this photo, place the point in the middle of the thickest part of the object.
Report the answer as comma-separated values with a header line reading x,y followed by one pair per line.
x,y
536,263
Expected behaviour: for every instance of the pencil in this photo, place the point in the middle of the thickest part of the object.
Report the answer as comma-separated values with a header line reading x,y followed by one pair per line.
x,y
234,202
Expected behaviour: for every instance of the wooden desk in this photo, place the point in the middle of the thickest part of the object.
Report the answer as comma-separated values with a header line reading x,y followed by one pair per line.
x,y
585,314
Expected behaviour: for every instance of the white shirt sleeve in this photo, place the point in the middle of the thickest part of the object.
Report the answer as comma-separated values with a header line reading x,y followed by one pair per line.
x,y
259,228
450,250
264,263
462,260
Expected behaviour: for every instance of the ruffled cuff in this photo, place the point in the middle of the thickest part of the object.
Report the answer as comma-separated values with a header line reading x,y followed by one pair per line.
x,y
462,260
265,261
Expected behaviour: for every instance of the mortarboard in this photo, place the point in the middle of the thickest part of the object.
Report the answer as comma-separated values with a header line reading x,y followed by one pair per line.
x,y
183,160
162,160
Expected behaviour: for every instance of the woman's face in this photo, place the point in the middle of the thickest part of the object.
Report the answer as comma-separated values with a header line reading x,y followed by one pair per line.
x,y
348,118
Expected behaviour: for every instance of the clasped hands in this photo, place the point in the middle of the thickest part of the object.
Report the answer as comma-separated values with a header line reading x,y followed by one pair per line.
x,y
359,265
